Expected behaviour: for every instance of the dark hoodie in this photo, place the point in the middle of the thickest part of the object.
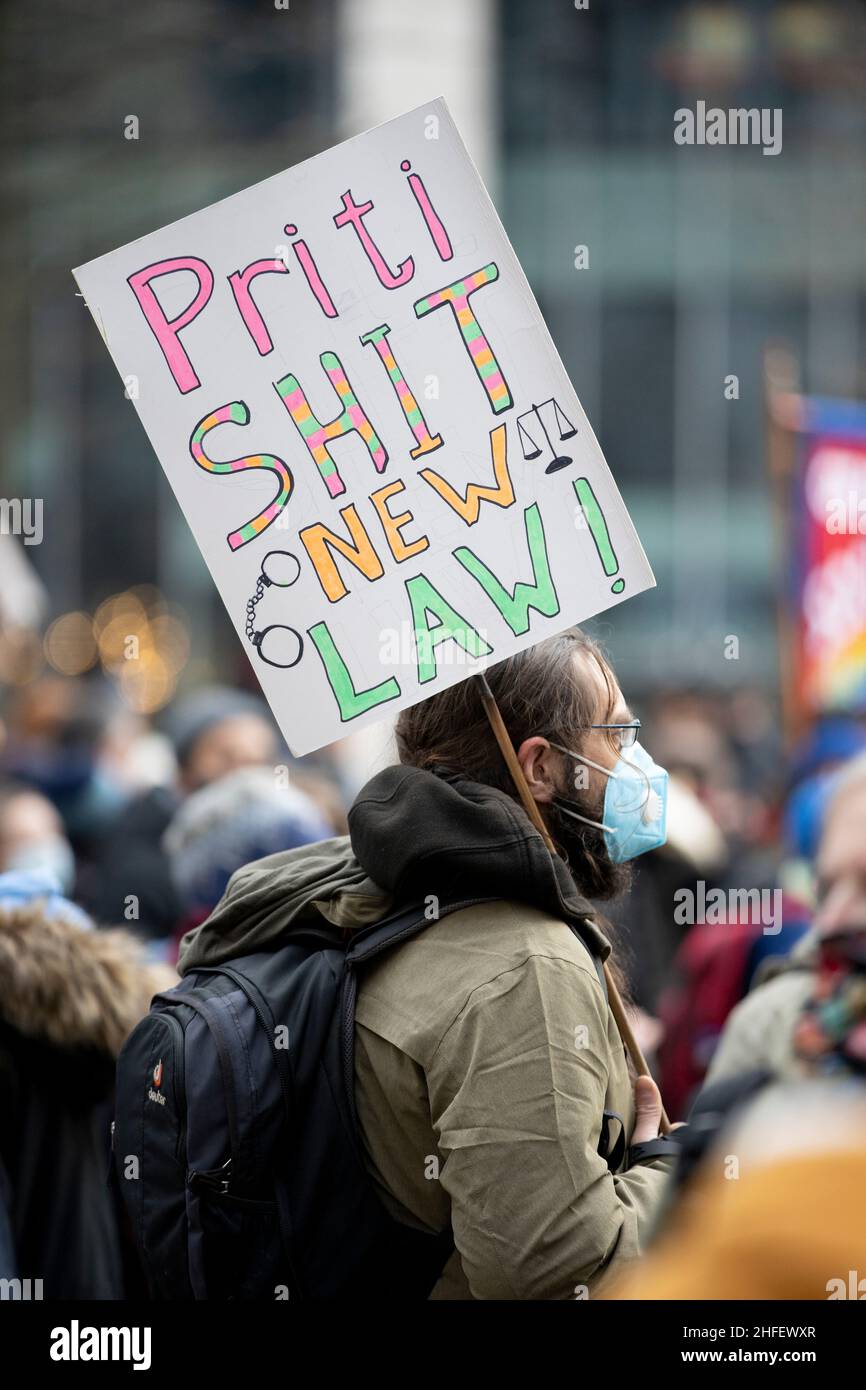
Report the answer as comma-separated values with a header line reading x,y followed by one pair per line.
x,y
412,833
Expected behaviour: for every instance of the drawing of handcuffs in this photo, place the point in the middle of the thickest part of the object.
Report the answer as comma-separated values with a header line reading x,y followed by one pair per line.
x,y
284,570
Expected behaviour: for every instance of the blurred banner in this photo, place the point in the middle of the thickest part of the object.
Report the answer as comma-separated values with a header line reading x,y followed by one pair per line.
x,y
829,557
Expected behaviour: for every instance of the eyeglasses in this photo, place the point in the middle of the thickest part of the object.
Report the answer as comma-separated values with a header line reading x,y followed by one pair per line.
x,y
627,733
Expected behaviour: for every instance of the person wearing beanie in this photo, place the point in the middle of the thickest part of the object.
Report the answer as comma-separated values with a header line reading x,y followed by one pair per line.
x,y
214,730
237,820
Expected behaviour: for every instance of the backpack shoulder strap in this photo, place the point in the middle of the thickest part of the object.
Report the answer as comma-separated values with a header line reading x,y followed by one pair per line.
x,y
401,925
597,962
599,970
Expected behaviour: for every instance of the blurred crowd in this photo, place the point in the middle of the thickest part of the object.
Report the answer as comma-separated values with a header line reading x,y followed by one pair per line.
x,y
142,826
118,834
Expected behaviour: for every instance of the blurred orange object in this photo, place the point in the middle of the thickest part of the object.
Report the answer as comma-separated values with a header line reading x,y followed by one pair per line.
x,y
791,1226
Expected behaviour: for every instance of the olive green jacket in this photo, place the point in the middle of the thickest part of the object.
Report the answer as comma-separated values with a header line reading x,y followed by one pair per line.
x,y
485,1057
485,1050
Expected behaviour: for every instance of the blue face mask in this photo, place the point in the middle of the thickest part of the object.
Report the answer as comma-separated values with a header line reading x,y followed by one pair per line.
x,y
52,856
635,803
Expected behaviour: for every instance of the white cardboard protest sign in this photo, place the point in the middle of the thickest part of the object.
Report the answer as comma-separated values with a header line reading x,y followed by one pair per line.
x,y
349,384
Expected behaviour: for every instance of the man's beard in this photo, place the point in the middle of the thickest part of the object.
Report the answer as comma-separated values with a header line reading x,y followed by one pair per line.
x,y
585,850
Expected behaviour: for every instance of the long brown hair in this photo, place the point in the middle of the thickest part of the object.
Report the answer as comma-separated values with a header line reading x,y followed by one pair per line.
x,y
540,691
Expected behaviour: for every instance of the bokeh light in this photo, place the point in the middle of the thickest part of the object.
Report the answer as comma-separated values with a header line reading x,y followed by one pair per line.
x,y
69,644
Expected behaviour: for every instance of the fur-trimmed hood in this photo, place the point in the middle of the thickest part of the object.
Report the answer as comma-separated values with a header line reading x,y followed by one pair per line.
x,y
71,988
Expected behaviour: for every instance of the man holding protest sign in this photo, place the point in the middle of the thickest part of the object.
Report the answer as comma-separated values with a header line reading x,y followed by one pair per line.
x,y
434,478
492,1088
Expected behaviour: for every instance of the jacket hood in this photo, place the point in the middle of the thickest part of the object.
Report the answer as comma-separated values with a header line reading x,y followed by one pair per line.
x,y
412,834
71,988
263,900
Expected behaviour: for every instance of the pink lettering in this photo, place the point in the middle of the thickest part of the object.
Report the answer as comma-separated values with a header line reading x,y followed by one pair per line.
x,y
240,282
167,331
355,213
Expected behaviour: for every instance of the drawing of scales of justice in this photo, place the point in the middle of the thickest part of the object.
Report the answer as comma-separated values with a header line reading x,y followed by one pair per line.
x,y
591,515
528,426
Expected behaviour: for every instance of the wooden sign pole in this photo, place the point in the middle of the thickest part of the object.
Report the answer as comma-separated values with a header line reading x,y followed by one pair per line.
x,y
530,806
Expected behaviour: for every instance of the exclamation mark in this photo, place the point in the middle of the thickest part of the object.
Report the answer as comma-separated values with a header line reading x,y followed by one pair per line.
x,y
598,527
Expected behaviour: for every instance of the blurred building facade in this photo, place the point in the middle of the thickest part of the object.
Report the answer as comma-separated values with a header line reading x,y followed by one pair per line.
x,y
697,257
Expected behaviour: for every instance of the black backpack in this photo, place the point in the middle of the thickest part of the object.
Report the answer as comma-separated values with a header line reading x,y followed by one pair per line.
x,y
235,1143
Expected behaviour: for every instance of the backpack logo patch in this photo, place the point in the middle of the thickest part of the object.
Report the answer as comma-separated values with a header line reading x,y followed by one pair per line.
x,y
155,1095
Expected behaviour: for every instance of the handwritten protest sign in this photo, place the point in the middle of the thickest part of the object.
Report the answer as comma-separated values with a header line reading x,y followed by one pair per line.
x,y
352,391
